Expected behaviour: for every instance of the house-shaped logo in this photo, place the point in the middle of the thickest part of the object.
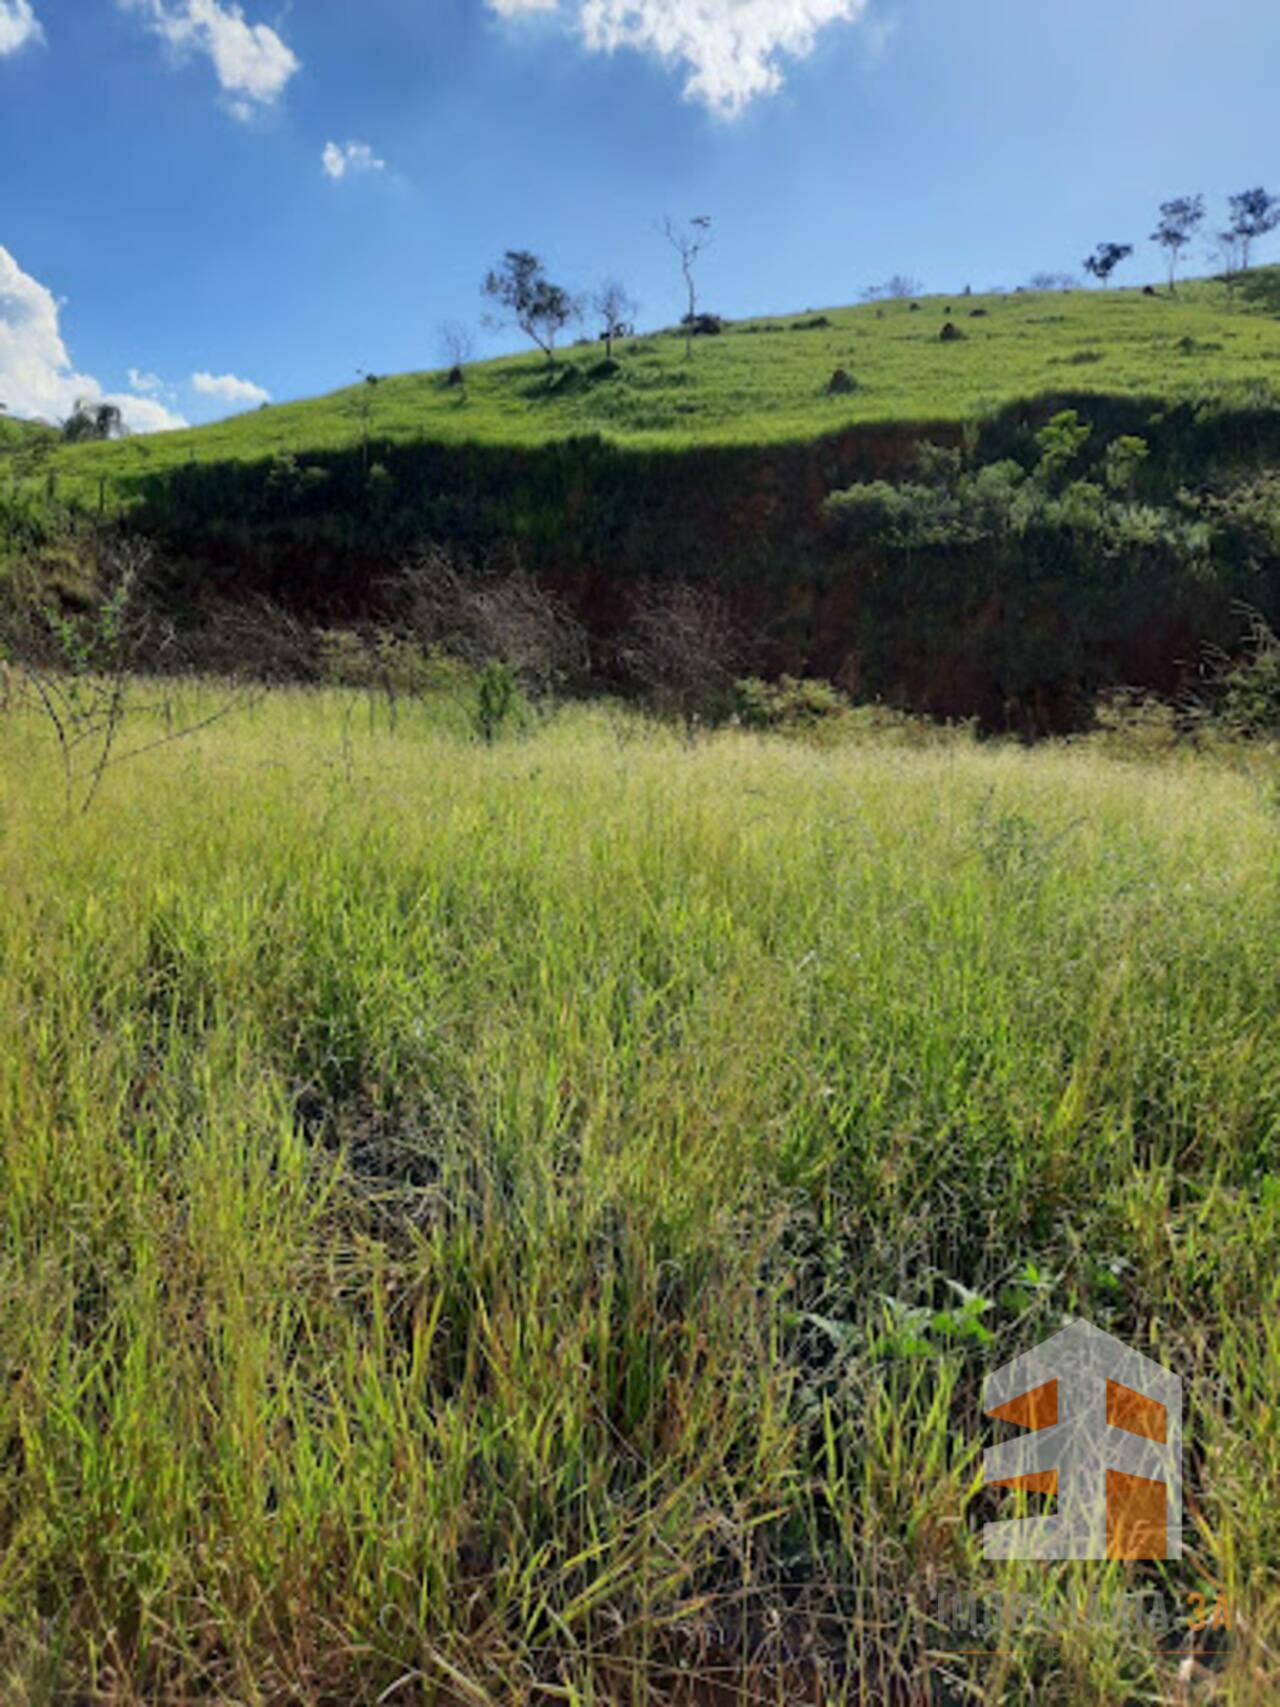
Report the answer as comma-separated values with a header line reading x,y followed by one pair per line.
x,y
1104,1435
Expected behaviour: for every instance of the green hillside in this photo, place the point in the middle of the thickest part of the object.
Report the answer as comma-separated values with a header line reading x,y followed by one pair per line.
x,y
20,435
1009,574
764,382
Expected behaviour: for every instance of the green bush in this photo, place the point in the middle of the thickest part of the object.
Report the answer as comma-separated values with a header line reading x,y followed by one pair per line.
x,y
1061,442
1133,725
788,703
385,661
500,708
1248,688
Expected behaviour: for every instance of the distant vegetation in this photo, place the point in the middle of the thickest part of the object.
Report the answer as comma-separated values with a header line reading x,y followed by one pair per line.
x,y
1004,581
765,390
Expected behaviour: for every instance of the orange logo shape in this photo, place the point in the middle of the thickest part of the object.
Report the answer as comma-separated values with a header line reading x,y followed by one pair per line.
x,y
1102,1437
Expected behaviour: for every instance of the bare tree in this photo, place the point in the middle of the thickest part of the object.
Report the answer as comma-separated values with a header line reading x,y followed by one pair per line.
x,y
1226,252
681,652
1054,281
1180,219
895,289
83,674
689,243
496,614
457,348
255,639
617,310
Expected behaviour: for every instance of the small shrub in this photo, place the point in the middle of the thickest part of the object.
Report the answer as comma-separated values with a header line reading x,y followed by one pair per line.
x,y
390,663
1013,846
1133,725
380,490
789,703
500,706
886,725
1124,458
1246,690
1060,443
560,381
344,658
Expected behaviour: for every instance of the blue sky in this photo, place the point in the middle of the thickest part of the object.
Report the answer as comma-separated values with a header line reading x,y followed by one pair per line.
x,y
226,201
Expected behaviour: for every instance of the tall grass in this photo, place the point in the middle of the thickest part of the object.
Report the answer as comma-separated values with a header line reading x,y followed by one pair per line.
x,y
483,1223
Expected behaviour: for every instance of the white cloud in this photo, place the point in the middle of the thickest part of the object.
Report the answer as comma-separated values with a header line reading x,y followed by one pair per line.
x,y
729,50
145,415
18,25
355,158
229,389
148,384
252,62
36,374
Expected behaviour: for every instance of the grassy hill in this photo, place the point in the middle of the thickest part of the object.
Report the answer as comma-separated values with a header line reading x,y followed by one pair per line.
x,y
764,382
22,435
1013,595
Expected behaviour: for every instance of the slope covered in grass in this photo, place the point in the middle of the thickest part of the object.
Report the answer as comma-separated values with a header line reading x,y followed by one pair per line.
x,y
17,434
765,382
521,1224
1014,604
